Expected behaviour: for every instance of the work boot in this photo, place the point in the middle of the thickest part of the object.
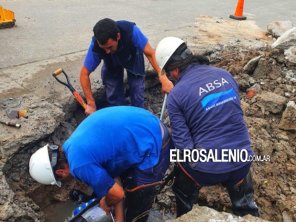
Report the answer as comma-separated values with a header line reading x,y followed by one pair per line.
x,y
186,192
242,199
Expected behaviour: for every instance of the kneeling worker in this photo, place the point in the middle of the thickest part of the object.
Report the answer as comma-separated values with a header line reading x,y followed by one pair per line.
x,y
126,142
205,114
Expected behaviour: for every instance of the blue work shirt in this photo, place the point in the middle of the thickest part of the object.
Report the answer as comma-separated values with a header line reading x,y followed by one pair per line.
x,y
138,41
204,110
109,142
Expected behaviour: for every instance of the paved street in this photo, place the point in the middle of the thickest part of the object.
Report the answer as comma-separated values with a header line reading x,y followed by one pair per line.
x,y
50,28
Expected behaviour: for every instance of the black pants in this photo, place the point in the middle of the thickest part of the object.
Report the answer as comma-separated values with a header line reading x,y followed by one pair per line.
x,y
138,204
186,190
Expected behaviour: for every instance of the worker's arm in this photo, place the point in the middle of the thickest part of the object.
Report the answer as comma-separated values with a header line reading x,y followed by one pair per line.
x,y
86,87
105,187
149,52
91,62
114,198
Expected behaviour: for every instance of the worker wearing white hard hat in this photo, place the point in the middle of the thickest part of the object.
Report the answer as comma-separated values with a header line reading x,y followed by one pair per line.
x,y
206,117
121,141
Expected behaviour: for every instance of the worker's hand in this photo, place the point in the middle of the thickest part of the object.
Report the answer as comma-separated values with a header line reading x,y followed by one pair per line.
x,y
104,205
90,109
167,85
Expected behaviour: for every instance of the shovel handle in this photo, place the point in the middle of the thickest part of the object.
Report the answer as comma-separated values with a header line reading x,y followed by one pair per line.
x,y
75,93
79,99
163,107
57,72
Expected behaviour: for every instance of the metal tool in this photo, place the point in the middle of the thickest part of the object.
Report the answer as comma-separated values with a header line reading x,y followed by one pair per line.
x,y
9,123
69,86
170,177
16,114
92,212
163,107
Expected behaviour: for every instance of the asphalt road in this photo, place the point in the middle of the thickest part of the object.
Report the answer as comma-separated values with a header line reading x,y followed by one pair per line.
x,y
50,28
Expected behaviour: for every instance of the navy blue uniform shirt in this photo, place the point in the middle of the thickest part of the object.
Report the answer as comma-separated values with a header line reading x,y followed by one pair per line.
x,y
137,42
204,110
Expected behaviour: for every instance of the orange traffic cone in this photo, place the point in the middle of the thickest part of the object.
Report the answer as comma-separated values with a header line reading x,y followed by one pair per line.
x,y
238,14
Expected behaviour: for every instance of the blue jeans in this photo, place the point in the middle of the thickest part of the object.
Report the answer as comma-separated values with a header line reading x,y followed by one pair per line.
x,y
113,82
140,185
135,177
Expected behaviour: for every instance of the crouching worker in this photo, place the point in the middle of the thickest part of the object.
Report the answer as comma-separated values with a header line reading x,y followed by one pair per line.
x,y
126,142
206,118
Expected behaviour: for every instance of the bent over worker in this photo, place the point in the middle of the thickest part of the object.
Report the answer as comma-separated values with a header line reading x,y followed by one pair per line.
x,y
126,142
205,114
120,45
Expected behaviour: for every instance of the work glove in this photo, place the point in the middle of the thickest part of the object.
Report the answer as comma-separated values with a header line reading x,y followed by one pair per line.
x,y
166,84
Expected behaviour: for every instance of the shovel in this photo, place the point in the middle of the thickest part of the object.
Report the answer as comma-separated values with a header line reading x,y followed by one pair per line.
x,y
68,84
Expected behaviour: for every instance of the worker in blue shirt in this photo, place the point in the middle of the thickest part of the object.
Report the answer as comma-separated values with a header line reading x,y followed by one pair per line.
x,y
122,141
120,45
207,121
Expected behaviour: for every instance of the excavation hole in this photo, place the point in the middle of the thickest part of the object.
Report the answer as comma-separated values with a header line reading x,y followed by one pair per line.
x,y
51,202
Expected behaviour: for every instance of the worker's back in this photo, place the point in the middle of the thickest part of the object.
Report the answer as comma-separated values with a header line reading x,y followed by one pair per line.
x,y
110,141
209,100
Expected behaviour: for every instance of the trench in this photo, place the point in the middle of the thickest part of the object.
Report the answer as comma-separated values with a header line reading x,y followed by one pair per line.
x,y
53,203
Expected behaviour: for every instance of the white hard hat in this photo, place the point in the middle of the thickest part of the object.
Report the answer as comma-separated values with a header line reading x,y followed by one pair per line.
x,y
40,167
165,49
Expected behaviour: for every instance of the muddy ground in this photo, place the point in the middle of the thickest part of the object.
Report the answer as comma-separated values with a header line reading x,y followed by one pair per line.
x,y
274,180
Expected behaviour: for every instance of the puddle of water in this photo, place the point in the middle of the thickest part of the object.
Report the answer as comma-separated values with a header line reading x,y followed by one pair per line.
x,y
157,216
58,212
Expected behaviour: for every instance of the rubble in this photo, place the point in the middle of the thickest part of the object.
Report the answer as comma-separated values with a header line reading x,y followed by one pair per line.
x,y
288,120
250,67
277,28
6,211
266,68
286,40
290,54
205,214
290,76
270,102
